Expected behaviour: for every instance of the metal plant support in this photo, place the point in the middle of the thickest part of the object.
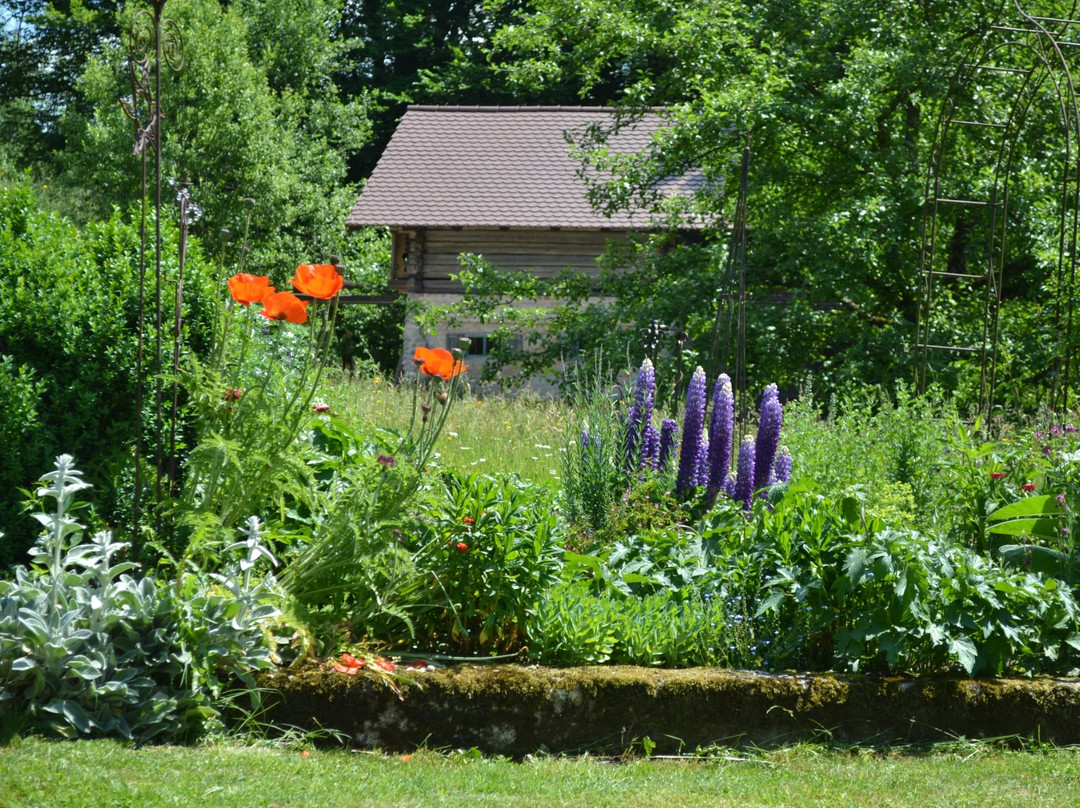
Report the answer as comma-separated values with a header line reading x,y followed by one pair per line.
x,y
727,348
1019,66
155,44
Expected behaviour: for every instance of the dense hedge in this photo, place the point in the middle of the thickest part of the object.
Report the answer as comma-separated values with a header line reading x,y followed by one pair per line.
x,y
68,347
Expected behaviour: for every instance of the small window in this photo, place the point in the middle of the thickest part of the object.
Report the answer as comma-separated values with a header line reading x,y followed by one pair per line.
x,y
480,345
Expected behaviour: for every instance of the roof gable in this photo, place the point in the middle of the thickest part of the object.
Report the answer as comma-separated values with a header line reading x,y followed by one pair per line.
x,y
507,167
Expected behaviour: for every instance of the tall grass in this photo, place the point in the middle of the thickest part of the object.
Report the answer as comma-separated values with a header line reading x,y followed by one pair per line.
x,y
522,435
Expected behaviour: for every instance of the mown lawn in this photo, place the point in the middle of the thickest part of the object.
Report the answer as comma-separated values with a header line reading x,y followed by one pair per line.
x,y
106,773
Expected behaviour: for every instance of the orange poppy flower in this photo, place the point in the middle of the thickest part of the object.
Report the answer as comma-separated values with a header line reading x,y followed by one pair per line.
x,y
247,289
438,362
284,306
321,281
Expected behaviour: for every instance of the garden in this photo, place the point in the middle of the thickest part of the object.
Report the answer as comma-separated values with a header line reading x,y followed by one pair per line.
x,y
232,527
359,527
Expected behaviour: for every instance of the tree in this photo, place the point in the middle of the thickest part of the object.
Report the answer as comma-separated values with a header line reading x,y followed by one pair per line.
x,y
836,101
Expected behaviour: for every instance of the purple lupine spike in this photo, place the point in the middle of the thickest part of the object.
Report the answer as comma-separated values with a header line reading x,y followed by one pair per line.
x,y
584,437
744,478
650,446
693,421
701,473
729,485
721,429
640,413
768,435
782,466
669,428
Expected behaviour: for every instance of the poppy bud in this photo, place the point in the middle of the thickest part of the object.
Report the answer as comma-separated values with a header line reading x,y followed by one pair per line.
x,y
441,396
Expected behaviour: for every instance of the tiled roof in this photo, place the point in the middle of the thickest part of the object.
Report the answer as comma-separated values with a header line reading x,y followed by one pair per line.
x,y
449,166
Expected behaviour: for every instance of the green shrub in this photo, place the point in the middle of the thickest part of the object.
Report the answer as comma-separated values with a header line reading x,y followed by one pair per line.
x,y
488,548
69,331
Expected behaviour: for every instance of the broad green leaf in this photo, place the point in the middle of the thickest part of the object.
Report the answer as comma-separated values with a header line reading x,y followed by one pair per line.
x,y
965,651
1028,507
1046,528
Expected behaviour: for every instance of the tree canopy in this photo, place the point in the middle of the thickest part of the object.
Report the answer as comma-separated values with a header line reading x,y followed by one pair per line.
x,y
289,103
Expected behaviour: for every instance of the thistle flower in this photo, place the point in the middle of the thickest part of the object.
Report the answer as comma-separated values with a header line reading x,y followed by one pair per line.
x,y
669,427
768,435
744,479
782,466
693,421
640,413
721,429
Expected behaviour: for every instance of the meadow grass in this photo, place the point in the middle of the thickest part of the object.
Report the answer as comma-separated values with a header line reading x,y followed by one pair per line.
x,y
521,435
34,772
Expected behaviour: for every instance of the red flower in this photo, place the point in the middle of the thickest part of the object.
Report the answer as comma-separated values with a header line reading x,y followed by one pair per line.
x,y
461,547
247,289
468,520
349,664
438,362
321,281
997,475
321,408
233,394
284,306
1028,487
386,461
383,664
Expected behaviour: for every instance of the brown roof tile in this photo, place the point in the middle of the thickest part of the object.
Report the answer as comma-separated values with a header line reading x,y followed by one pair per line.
x,y
451,166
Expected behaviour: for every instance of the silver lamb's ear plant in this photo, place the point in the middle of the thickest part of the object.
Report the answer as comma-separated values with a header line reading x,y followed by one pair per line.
x,y
62,485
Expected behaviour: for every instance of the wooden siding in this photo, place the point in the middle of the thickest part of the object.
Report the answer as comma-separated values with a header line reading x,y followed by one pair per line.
x,y
543,252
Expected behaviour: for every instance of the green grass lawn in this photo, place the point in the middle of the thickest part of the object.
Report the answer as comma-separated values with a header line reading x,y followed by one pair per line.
x,y
106,773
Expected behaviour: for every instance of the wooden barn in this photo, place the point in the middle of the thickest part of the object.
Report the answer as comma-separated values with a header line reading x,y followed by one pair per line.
x,y
494,181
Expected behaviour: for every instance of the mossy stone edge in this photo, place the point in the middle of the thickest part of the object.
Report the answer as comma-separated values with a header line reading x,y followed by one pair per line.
x,y
516,710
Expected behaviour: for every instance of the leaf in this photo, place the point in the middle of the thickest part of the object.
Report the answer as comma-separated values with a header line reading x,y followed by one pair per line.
x,y
1045,505
23,664
1040,559
855,564
770,603
1045,528
71,711
965,651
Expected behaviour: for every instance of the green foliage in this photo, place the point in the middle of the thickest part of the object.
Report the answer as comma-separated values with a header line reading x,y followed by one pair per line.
x,y
572,625
350,565
875,446
254,113
68,347
847,592
87,648
489,547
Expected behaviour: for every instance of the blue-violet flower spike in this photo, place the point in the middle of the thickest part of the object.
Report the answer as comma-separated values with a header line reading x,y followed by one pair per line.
x,y
768,436
744,479
693,421
721,429
669,428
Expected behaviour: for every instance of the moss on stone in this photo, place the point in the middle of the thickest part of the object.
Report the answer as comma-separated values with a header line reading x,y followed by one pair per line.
x,y
515,710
